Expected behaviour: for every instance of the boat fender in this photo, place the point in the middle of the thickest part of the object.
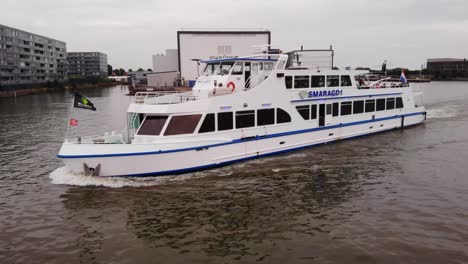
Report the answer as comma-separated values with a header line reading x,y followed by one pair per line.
x,y
231,84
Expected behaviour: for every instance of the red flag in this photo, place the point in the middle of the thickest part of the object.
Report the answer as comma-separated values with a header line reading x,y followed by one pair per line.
x,y
73,122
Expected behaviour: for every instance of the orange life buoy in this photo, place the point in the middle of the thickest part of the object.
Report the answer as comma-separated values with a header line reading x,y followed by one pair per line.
x,y
233,86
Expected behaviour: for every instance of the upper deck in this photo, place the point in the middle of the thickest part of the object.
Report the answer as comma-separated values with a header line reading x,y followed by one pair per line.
x,y
238,75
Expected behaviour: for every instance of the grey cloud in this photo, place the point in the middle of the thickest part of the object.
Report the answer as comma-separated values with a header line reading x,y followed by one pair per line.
x,y
363,32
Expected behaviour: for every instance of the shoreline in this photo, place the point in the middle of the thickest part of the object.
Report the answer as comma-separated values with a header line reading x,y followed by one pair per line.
x,y
39,90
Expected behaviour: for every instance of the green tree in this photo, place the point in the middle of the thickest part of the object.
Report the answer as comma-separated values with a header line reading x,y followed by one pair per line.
x,y
109,69
130,70
150,70
140,70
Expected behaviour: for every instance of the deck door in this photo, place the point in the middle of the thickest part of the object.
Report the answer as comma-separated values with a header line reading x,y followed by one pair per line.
x,y
322,115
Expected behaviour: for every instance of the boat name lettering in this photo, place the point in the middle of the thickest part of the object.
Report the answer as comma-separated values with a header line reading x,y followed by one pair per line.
x,y
325,93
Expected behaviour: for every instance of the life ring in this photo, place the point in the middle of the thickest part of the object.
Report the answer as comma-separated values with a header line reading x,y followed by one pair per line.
x,y
233,86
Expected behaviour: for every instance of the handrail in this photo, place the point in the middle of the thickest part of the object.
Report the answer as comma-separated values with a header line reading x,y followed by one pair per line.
x,y
112,138
166,97
383,86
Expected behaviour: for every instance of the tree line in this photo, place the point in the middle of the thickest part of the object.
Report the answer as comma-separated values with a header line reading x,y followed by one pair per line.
x,y
122,72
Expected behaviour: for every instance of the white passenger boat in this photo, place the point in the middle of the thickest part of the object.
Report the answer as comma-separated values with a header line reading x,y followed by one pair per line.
x,y
240,109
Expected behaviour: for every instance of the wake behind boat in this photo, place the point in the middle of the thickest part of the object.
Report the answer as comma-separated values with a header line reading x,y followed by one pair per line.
x,y
240,109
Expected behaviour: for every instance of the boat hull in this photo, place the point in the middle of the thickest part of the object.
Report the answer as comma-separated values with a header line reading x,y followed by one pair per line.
x,y
177,161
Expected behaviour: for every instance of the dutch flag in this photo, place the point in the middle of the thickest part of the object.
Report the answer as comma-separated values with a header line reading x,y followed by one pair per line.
x,y
403,77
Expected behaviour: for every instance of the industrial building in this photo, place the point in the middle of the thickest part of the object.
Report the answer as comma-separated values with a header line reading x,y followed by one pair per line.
x,y
447,64
182,65
28,58
87,64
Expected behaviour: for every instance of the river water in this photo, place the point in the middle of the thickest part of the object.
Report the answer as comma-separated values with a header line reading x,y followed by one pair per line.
x,y
395,197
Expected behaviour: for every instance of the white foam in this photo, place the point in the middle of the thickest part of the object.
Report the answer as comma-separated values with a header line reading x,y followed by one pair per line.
x,y
64,176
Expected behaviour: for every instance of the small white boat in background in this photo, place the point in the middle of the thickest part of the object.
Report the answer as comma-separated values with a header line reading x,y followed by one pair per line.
x,y
240,109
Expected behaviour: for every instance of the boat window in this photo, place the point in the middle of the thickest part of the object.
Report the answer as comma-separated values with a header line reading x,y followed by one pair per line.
x,y
335,109
152,125
288,82
346,80
260,66
208,124
390,103
254,68
370,106
282,116
318,81
237,69
380,104
346,108
399,103
265,117
333,80
313,112
304,111
184,124
210,69
225,68
301,81
245,119
268,66
225,121
358,107
329,109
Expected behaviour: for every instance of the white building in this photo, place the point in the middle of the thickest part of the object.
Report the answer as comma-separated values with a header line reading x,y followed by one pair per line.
x,y
166,62
193,45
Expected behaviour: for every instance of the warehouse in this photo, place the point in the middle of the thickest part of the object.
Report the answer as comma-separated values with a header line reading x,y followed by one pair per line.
x,y
194,45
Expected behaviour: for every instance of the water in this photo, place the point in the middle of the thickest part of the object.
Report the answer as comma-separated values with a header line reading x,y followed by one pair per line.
x,y
395,197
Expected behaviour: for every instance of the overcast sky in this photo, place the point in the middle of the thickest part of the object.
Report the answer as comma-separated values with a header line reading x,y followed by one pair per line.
x,y
362,32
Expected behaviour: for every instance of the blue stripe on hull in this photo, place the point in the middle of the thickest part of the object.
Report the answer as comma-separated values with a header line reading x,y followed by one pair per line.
x,y
225,163
236,141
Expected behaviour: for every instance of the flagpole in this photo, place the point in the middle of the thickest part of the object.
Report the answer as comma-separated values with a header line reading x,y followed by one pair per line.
x,y
69,116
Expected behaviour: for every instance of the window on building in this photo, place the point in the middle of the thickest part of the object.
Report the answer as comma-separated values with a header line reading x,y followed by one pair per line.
x,y
370,106
313,112
282,116
335,111
346,108
184,124
237,69
381,104
358,107
208,124
152,125
318,81
390,103
301,81
304,111
345,80
399,103
333,80
265,117
225,121
288,82
245,119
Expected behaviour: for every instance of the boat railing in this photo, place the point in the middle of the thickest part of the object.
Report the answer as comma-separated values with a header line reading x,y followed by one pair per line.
x,y
108,138
383,86
166,97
